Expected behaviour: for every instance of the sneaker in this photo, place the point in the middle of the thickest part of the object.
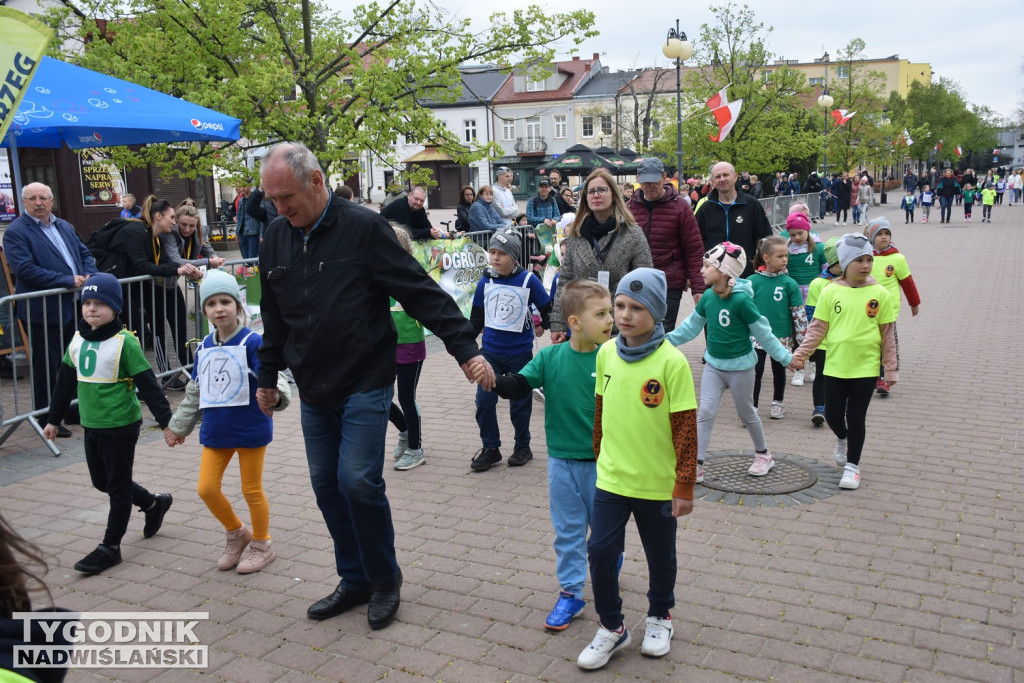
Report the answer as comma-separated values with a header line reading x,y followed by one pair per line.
x,y
104,557
658,637
840,453
402,446
836,223
882,387
155,514
700,473
520,456
539,394
177,384
237,540
261,553
809,371
763,463
818,416
602,647
410,459
851,477
798,378
565,610
778,411
485,459
843,223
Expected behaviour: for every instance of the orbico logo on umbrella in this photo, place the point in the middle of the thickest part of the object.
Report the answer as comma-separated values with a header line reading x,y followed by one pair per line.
x,y
204,125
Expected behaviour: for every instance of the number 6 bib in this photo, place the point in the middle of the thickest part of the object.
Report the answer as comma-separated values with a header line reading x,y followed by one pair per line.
x,y
97,362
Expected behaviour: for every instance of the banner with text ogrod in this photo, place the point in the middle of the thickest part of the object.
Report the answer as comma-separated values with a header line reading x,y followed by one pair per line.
x,y
24,43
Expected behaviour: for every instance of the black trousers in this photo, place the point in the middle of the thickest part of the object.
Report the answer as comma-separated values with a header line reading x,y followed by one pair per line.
x,y
846,411
818,386
675,296
778,377
110,455
407,418
47,344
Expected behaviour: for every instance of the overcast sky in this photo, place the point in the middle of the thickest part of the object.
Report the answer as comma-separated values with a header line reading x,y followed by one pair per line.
x,y
977,45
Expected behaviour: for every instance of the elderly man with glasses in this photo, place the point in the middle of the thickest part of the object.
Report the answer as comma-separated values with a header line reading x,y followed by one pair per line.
x,y
44,252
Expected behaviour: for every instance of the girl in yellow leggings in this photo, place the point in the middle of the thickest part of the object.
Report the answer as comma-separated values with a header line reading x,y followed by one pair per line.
x,y
224,386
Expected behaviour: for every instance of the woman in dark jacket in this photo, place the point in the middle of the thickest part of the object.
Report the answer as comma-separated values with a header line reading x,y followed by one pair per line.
x,y
841,191
139,240
483,217
466,198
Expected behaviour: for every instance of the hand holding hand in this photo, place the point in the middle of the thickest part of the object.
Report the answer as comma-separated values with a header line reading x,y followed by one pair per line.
x,y
172,439
914,310
681,507
267,399
557,337
797,364
473,366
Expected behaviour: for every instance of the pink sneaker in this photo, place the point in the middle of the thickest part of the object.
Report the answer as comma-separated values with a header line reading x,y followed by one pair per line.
x,y
763,463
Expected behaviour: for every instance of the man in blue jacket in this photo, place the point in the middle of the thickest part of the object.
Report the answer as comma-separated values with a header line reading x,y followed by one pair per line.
x,y
44,252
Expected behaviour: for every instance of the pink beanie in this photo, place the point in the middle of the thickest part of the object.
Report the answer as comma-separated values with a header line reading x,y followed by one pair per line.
x,y
797,221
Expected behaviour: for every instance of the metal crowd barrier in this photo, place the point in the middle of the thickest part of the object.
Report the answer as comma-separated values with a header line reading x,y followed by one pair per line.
x,y
168,321
778,208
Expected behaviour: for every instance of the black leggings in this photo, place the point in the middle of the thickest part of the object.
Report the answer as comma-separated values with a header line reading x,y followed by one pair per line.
x,y
843,212
109,454
778,377
818,386
846,411
407,418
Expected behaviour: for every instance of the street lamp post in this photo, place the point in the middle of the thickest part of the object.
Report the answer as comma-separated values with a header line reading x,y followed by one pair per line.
x,y
825,101
677,47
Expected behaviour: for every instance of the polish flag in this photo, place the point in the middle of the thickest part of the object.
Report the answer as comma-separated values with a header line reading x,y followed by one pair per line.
x,y
906,137
719,99
841,116
726,118
959,151
938,147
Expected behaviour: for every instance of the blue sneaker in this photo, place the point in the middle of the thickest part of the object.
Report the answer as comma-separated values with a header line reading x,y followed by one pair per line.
x,y
566,609
818,416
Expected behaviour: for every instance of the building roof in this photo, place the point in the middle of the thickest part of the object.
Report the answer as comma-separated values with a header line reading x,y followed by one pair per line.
x,y
578,72
479,86
606,84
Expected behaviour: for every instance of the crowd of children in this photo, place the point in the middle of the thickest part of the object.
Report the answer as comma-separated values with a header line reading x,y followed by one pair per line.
x,y
604,395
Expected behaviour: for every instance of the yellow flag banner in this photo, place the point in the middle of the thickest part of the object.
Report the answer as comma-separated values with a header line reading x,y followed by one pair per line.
x,y
24,43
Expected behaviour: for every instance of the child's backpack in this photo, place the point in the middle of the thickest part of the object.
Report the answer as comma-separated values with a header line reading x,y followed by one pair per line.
x,y
108,260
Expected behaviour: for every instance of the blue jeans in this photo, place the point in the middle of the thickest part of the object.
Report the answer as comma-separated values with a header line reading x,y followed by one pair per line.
x,y
487,402
657,529
250,245
345,451
946,212
571,485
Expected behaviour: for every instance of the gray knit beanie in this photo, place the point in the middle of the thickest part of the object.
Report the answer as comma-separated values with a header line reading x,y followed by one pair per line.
x,y
646,285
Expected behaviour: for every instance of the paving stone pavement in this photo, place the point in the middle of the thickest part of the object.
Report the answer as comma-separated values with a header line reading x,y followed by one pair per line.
x,y
916,576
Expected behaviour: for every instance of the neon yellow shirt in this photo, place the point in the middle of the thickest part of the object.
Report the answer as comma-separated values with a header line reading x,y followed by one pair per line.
x,y
853,316
988,196
888,270
813,292
638,458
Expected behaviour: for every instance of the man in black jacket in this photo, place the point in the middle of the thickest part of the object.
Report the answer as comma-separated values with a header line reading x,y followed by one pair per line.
x,y
327,270
409,211
731,216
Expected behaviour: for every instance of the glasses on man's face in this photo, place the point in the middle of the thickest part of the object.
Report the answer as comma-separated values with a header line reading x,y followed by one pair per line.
x,y
598,191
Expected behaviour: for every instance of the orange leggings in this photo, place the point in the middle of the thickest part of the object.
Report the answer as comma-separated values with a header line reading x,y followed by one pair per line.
x,y
250,464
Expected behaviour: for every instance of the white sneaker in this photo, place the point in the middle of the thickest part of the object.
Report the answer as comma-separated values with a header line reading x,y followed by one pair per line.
x,y
843,223
700,473
763,463
851,477
810,371
658,637
602,647
798,378
840,453
778,411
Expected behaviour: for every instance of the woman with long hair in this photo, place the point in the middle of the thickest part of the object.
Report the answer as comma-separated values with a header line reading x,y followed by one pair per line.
x,y
603,243
192,248
466,198
146,253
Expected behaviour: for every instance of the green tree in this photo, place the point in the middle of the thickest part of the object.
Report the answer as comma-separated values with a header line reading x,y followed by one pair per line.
x,y
856,88
773,130
342,83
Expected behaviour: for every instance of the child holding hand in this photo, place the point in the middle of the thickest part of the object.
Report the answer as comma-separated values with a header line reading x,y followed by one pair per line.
x,y
108,365
727,309
223,386
645,445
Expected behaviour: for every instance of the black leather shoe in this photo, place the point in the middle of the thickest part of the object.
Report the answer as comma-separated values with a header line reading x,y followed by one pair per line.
x,y
384,602
155,515
520,456
339,601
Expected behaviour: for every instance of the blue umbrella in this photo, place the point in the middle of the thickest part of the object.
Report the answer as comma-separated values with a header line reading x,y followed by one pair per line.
x,y
66,104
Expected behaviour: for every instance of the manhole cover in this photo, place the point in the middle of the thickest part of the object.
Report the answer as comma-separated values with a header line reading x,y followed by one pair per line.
x,y
729,473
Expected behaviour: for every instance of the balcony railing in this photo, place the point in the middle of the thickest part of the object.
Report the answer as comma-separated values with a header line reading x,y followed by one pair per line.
x,y
531,145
